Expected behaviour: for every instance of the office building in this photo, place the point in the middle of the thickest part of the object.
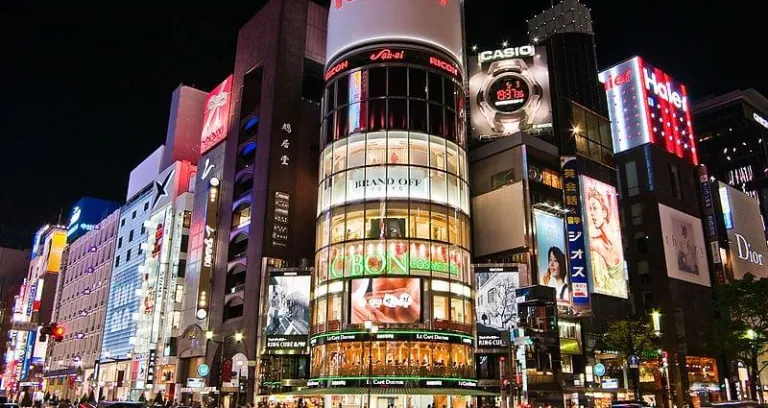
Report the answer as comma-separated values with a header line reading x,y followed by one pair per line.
x,y
254,207
13,269
81,299
733,133
33,307
392,302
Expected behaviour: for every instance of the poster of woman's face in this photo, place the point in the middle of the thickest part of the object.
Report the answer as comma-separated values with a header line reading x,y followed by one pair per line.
x,y
550,258
606,255
684,246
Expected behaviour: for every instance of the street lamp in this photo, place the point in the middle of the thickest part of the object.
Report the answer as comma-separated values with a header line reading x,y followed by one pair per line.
x,y
372,329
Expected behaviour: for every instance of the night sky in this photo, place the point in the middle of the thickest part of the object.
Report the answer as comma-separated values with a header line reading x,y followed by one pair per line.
x,y
87,94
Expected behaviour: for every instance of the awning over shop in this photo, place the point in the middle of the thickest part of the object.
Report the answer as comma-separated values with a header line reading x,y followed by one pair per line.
x,y
389,391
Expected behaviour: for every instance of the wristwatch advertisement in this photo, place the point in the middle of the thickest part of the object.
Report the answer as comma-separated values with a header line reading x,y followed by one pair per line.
x,y
509,95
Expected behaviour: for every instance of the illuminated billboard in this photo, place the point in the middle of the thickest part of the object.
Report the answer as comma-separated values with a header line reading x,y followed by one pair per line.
x,y
646,105
386,300
577,249
744,226
606,254
495,304
55,243
509,92
550,255
684,247
288,311
354,23
216,115
86,215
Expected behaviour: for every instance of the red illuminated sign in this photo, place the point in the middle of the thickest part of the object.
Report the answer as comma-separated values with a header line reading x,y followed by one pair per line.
x,y
387,55
339,3
341,66
445,66
648,106
216,116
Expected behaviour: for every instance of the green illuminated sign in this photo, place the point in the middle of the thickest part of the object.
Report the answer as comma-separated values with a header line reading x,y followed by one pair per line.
x,y
386,263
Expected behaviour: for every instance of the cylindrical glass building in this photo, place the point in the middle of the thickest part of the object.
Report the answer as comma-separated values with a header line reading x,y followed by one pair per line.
x,y
393,228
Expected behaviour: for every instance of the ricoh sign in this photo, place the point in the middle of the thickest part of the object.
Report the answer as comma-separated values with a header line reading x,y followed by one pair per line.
x,y
646,105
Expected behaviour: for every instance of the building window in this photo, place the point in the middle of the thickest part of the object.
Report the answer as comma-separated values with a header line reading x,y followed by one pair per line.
x,y
630,170
128,256
641,242
502,179
643,272
146,206
648,304
674,178
130,236
117,261
184,243
566,363
182,268
143,230
133,215
119,242
637,214
122,222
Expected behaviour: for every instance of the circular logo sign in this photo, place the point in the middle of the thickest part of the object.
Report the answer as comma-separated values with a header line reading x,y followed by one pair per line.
x,y
599,369
203,370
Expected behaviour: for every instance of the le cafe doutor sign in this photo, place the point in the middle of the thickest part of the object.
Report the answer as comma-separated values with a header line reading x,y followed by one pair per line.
x,y
392,382
404,336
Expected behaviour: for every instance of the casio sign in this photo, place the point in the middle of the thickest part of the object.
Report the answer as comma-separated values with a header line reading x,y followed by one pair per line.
x,y
516,52
664,90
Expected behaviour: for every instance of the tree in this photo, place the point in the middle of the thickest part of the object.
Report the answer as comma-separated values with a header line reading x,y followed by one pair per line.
x,y
742,327
142,398
631,337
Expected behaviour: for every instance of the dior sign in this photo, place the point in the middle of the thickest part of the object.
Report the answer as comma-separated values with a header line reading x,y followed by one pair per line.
x,y
746,252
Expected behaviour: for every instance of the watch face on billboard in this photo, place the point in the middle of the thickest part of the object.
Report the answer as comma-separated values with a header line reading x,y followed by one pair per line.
x,y
744,225
646,105
386,300
509,92
684,247
606,254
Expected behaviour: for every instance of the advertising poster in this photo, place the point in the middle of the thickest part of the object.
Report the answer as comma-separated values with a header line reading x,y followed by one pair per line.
x,y
606,254
509,92
744,225
550,255
684,250
216,115
386,300
495,305
577,249
288,312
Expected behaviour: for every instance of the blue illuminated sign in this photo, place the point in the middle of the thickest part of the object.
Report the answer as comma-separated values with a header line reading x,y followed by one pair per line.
x,y
86,215
577,253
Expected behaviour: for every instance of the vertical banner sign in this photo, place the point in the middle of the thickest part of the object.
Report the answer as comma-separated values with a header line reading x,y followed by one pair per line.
x,y
710,224
151,365
209,250
216,115
577,253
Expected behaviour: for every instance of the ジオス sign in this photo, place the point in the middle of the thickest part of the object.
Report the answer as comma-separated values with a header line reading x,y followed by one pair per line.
x,y
386,263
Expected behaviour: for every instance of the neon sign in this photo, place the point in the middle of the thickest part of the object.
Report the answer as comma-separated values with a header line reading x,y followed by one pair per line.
x,y
385,263
445,66
387,55
341,66
516,52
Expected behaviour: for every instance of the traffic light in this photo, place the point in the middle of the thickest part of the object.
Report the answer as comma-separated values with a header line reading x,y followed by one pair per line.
x,y
57,331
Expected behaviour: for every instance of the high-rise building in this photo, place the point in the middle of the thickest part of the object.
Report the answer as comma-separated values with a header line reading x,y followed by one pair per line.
x,y
81,299
392,297
657,160
13,269
123,371
254,209
33,308
733,134
162,279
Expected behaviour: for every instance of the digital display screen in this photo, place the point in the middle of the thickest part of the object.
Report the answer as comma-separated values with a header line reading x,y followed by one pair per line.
x,y
386,300
509,93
